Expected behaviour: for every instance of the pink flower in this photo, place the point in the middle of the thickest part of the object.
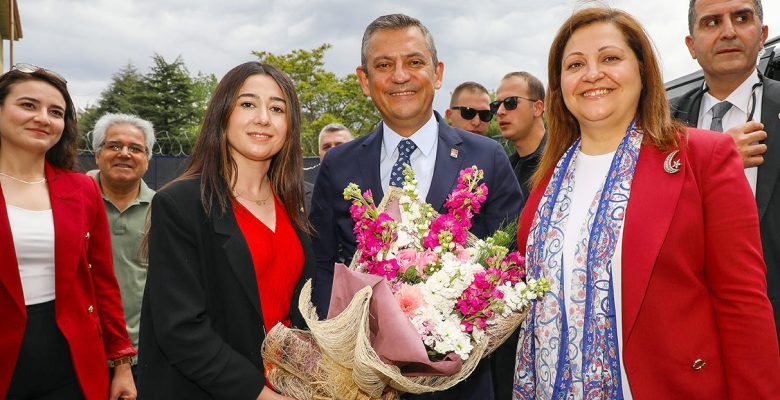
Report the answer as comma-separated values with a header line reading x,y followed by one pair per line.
x,y
409,298
406,258
424,259
463,255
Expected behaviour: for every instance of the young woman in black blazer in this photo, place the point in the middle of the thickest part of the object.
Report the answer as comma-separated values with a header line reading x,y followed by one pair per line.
x,y
216,281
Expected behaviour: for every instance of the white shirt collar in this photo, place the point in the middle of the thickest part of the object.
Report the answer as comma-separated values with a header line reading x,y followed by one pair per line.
x,y
424,138
740,97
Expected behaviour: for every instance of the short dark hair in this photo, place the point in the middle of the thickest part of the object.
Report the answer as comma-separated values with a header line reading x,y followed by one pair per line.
x,y
334,127
394,22
473,87
535,86
692,13
63,153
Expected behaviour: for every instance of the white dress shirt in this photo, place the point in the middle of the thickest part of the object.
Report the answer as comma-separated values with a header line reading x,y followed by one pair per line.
x,y
423,158
743,103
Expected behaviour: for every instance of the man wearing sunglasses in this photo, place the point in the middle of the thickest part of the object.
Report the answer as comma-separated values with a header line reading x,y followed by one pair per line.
x,y
470,108
519,108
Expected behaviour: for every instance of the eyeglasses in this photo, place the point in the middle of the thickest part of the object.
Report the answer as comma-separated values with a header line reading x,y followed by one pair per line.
x,y
469,113
117,147
510,103
30,68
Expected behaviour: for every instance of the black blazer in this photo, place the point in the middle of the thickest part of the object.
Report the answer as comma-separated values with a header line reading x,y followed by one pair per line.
x,y
686,109
201,320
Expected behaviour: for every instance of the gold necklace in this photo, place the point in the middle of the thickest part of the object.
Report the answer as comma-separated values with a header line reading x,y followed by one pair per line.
x,y
24,181
260,202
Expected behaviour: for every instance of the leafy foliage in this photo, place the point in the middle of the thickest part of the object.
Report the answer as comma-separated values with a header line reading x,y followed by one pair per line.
x,y
325,98
175,101
167,96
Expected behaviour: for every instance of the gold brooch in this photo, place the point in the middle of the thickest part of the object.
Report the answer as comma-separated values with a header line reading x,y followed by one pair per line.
x,y
672,166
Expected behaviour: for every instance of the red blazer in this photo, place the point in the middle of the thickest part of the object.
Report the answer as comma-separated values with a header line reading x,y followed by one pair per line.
x,y
694,281
88,306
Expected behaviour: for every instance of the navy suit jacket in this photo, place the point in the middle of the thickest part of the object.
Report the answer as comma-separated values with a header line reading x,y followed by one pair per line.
x,y
686,108
358,162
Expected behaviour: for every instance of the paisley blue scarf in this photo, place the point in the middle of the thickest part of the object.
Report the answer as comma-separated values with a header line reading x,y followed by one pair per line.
x,y
573,354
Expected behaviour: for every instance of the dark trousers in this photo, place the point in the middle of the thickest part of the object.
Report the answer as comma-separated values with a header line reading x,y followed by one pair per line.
x,y
44,369
478,386
503,367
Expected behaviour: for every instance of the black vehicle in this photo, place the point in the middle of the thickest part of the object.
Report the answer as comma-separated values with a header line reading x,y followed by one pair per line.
x,y
768,64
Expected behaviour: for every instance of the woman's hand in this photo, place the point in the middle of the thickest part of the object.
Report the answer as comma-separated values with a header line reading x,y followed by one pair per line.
x,y
122,386
268,394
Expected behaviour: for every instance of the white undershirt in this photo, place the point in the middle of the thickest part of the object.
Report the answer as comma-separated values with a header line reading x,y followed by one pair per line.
x,y
589,176
33,235
737,115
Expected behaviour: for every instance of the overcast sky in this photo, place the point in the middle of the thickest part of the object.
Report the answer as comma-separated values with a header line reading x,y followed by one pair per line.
x,y
89,40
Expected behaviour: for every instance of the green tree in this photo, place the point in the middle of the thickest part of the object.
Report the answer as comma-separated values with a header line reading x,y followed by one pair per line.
x,y
324,97
125,92
171,105
167,96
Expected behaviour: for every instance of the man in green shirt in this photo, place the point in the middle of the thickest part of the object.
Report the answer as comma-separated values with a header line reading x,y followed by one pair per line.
x,y
123,145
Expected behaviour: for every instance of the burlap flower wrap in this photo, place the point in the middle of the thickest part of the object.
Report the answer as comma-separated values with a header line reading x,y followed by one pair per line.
x,y
367,349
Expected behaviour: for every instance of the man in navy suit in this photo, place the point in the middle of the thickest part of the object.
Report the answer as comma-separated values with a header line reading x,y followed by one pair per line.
x,y
401,72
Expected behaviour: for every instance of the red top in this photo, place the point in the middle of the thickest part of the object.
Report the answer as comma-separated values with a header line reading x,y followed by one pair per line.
x,y
277,258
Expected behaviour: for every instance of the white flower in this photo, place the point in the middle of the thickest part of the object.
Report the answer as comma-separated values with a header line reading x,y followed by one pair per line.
x,y
404,239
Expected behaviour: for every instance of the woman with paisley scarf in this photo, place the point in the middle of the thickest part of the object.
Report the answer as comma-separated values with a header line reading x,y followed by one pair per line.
x,y
648,233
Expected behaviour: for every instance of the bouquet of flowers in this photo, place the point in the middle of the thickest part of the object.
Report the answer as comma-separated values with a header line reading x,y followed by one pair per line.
x,y
422,302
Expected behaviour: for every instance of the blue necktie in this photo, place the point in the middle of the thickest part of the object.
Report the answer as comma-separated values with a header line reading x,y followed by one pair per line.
x,y
405,150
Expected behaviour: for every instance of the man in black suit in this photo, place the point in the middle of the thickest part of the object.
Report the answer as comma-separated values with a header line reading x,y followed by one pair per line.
x,y
725,38
519,109
401,72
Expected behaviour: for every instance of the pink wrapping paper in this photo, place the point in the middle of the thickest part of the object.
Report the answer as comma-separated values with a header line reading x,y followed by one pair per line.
x,y
393,336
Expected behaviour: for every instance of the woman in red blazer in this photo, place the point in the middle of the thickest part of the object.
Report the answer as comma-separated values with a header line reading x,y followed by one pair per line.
x,y
648,233
61,308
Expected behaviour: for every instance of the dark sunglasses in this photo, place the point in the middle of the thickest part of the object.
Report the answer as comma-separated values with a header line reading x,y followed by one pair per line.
x,y
510,103
30,68
469,113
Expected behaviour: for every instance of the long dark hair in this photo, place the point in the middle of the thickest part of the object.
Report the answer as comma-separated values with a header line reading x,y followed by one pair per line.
x,y
211,159
63,153
653,111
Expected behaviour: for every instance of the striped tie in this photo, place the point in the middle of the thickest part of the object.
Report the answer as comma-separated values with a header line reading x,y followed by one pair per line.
x,y
718,111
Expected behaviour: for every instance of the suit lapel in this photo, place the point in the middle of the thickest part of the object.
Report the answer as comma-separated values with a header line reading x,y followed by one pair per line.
x,y
9,271
653,201
236,251
368,160
687,109
769,172
69,233
445,173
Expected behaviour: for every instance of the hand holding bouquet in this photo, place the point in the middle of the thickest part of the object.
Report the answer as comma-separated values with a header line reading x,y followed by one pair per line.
x,y
452,298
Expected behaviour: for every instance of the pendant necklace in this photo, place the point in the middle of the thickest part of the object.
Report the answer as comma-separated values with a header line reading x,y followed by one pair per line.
x,y
259,202
24,181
